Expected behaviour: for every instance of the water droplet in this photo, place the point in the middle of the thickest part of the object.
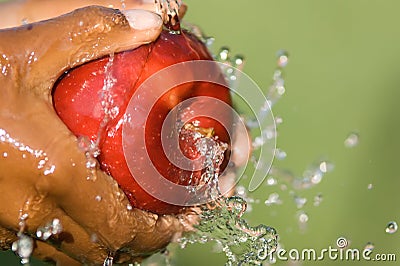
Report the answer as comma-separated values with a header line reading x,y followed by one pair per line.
x,y
91,163
278,120
24,21
238,62
277,89
318,199
273,199
271,181
98,198
223,54
283,58
352,140
325,167
369,246
303,217
53,227
129,207
280,154
5,154
391,227
50,170
300,201
209,41
312,176
123,5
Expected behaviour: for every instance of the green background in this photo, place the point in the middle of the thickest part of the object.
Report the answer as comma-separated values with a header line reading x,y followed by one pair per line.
x,y
343,76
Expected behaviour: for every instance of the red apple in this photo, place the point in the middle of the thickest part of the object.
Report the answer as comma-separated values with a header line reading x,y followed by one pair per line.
x,y
78,100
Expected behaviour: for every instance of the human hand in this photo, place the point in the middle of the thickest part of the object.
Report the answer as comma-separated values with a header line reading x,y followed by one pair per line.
x,y
44,173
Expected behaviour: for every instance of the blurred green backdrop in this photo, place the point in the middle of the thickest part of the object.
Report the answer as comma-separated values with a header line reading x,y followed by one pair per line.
x,y
343,77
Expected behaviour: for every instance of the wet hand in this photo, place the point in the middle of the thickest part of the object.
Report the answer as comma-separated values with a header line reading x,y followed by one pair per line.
x,y
44,174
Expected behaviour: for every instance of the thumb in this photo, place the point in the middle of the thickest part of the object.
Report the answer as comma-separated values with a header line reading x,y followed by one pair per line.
x,y
40,52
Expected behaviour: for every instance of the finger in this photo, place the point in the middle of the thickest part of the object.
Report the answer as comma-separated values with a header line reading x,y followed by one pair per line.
x,y
42,251
40,52
16,13
39,211
73,240
91,198
48,253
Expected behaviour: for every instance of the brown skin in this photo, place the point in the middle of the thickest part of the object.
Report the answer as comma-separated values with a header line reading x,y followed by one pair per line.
x,y
14,13
32,57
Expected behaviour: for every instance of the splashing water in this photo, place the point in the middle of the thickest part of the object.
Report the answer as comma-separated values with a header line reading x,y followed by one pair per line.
x,y
242,192
23,247
110,110
53,227
242,244
311,177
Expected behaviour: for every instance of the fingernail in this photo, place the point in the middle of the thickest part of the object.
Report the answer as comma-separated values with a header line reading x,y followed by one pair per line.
x,y
142,19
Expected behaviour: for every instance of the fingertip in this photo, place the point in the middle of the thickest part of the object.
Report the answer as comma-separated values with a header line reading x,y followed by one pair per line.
x,y
142,19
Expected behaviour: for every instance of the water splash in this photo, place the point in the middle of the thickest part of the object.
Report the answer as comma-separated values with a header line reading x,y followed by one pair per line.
x,y
242,192
53,227
242,244
91,151
23,247
310,178
234,65
110,111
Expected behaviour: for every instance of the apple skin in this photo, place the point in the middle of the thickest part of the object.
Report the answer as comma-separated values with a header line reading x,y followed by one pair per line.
x,y
78,102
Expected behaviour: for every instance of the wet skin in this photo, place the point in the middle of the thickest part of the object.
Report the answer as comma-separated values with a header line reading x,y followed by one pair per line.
x,y
43,170
45,173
